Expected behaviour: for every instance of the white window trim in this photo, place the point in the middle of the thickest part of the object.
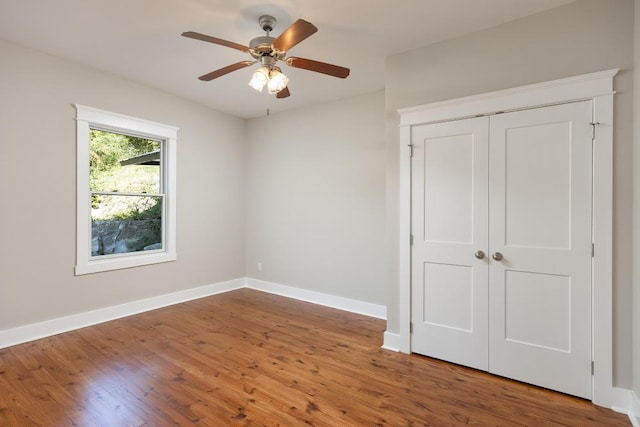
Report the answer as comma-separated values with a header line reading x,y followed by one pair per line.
x,y
595,86
87,118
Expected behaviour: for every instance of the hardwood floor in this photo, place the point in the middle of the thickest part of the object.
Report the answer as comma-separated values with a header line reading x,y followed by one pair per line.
x,y
251,358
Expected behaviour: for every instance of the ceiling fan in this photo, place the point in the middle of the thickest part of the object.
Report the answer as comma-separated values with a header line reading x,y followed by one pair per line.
x,y
268,51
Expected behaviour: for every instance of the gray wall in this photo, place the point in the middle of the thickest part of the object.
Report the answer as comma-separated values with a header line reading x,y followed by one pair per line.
x,y
316,198
38,190
582,37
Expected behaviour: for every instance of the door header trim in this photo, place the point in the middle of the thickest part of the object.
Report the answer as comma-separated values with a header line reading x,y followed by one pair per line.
x,y
586,86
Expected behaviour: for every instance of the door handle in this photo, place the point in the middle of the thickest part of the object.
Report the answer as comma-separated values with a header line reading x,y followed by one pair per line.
x,y
497,256
479,254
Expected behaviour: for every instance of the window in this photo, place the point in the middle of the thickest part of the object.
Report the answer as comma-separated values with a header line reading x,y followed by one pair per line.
x,y
126,191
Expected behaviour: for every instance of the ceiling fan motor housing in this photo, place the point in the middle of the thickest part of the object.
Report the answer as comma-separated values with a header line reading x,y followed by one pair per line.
x,y
262,46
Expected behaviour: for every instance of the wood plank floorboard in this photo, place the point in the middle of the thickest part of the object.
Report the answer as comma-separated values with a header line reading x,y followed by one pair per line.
x,y
249,358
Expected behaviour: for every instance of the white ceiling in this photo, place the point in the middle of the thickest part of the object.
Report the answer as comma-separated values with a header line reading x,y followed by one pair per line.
x,y
140,40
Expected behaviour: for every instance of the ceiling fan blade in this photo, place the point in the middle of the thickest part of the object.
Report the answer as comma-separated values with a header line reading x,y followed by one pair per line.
x,y
210,39
284,93
225,70
293,35
318,67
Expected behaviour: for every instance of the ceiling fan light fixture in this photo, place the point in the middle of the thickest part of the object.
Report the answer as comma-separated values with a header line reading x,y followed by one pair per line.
x,y
259,79
277,81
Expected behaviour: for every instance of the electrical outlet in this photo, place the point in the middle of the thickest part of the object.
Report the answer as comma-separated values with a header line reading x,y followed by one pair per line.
x,y
259,266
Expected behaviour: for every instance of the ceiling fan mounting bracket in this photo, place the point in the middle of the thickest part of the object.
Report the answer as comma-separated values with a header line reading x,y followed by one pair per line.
x,y
267,23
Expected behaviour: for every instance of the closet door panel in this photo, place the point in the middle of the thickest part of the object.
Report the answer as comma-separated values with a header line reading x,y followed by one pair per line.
x,y
449,224
537,181
448,170
540,224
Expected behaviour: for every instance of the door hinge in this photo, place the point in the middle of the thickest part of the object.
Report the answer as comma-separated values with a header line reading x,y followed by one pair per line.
x,y
593,367
411,240
593,129
410,327
593,250
410,150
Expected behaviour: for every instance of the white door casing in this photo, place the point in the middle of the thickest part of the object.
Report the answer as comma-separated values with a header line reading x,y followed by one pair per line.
x,y
595,86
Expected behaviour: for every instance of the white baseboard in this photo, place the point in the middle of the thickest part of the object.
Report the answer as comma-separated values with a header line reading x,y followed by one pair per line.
x,y
22,334
634,409
625,402
391,341
346,304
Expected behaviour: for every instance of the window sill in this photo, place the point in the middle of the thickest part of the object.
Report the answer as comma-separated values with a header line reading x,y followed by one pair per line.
x,y
118,263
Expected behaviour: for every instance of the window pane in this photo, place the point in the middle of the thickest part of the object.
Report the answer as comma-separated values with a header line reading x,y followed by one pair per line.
x,y
123,163
121,224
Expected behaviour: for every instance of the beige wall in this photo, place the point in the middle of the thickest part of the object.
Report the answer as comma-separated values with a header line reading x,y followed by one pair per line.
x,y
315,198
582,37
38,190
314,193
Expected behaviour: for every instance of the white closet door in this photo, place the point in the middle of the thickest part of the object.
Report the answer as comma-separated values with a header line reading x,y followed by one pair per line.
x,y
449,224
540,222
